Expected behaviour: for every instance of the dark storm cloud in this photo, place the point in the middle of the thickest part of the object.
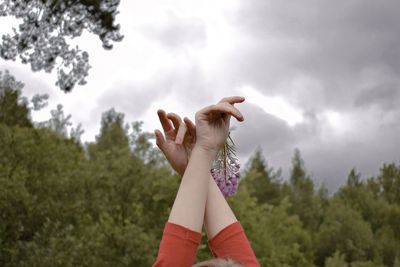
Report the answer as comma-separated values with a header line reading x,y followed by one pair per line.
x,y
323,56
261,128
386,96
327,159
337,44
331,162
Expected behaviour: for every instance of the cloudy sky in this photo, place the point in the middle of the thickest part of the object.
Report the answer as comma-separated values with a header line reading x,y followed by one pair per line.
x,y
321,76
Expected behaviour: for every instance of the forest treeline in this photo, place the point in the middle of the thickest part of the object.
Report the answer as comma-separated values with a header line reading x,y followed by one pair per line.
x,y
105,203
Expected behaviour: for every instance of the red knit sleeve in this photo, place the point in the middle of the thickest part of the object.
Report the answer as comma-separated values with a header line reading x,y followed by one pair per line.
x,y
178,246
231,242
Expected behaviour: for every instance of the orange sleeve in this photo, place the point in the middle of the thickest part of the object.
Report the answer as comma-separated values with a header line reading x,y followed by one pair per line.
x,y
178,246
231,242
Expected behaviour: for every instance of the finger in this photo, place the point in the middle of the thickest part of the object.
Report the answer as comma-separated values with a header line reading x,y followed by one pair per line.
x,y
191,131
224,108
190,125
235,112
232,99
181,134
165,123
160,140
176,120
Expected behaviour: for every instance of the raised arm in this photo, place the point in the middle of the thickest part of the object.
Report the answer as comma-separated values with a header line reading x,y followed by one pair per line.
x,y
189,206
212,127
226,236
218,214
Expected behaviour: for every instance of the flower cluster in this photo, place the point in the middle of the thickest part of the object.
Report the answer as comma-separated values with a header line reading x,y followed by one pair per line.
x,y
227,178
226,168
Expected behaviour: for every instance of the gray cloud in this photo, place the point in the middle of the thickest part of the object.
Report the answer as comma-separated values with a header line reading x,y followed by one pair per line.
x,y
261,128
386,96
338,45
189,84
327,160
132,98
33,84
331,162
323,57
178,32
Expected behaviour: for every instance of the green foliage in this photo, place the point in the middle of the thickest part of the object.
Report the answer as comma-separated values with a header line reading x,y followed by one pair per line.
x,y
363,264
278,239
337,260
106,203
14,108
370,199
397,262
45,29
344,230
389,183
262,182
113,135
387,246
60,208
40,181
306,203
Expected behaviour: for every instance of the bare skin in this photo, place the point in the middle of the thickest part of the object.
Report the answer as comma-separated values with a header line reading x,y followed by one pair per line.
x,y
190,150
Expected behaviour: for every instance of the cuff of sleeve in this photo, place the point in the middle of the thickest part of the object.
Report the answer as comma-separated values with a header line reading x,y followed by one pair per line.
x,y
182,232
226,233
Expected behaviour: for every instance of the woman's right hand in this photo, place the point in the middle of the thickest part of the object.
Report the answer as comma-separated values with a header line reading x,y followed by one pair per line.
x,y
178,140
212,123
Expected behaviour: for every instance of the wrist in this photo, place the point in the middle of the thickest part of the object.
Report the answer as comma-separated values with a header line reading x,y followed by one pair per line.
x,y
207,153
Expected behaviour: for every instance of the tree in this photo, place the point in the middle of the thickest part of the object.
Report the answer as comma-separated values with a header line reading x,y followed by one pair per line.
x,y
261,181
59,207
113,133
343,230
278,238
142,147
364,264
40,179
386,246
354,178
337,260
302,194
389,182
14,109
358,195
59,122
41,38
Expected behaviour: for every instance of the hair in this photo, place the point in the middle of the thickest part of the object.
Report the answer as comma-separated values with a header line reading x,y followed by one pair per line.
x,y
219,263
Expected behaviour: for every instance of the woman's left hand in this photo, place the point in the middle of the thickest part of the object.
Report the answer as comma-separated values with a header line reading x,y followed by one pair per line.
x,y
212,123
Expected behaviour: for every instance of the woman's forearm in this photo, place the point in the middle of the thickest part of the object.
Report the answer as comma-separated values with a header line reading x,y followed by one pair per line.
x,y
190,202
218,214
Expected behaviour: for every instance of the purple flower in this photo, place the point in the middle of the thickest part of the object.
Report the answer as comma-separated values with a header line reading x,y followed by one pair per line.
x,y
227,178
